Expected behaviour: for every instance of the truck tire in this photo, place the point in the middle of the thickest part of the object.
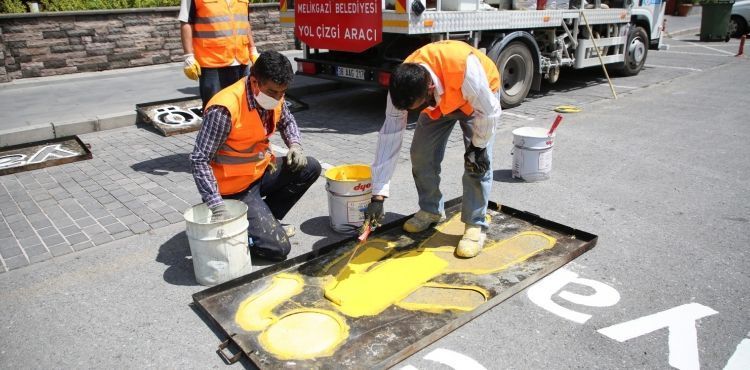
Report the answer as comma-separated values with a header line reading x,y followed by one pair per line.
x,y
516,67
737,26
636,50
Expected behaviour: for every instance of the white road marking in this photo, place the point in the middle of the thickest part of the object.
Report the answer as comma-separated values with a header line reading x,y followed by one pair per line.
x,y
714,49
518,116
626,87
683,338
541,294
454,359
693,53
673,67
740,360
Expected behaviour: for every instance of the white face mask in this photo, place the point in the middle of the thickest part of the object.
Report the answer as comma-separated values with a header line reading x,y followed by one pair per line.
x,y
266,101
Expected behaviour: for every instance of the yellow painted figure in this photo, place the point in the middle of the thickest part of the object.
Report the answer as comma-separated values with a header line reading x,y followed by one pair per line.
x,y
378,277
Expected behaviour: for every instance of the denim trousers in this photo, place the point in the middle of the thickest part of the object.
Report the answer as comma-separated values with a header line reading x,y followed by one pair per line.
x,y
427,152
269,199
213,80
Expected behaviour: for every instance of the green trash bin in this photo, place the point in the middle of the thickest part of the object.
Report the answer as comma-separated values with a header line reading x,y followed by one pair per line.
x,y
715,20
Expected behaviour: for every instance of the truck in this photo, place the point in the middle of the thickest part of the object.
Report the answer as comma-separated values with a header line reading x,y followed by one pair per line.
x,y
362,41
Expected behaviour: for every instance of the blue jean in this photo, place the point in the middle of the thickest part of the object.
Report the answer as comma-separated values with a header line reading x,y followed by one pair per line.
x,y
269,199
427,152
213,80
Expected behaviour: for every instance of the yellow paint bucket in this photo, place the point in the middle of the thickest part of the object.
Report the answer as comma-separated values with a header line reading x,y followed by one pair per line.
x,y
349,190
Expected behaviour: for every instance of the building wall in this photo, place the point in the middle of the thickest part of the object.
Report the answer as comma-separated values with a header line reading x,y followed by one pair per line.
x,y
56,43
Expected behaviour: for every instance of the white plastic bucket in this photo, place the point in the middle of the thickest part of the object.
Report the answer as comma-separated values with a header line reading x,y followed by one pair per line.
x,y
532,153
220,252
349,191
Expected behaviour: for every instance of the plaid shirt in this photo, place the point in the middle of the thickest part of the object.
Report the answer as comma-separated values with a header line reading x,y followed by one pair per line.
x,y
216,126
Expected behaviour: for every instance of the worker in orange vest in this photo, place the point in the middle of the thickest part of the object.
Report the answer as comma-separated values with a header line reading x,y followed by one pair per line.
x,y
233,159
449,82
218,43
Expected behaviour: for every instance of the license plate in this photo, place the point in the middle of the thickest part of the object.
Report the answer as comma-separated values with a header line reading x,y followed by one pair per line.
x,y
355,73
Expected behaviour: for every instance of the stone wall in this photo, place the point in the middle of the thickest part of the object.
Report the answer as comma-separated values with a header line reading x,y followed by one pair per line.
x,y
47,44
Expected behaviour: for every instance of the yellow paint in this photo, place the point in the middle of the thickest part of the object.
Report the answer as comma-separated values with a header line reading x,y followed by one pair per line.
x,y
254,313
349,172
368,254
304,334
369,292
498,255
436,298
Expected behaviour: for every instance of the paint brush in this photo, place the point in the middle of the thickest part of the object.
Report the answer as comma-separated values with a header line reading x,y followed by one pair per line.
x,y
361,239
552,129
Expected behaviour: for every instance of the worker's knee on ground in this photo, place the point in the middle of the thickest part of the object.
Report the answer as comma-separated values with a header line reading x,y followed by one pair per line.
x,y
276,249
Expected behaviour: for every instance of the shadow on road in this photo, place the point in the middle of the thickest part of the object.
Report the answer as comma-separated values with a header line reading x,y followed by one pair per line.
x,y
504,176
190,91
164,165
175,253
320,226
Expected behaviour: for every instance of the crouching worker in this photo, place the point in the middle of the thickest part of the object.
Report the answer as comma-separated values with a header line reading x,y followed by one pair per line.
x,y
232,158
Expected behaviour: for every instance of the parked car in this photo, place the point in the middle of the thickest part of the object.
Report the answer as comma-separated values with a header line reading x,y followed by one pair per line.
x,y
739,19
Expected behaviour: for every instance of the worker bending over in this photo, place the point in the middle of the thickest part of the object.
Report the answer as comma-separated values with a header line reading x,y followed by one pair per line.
x,y
233,159
448,81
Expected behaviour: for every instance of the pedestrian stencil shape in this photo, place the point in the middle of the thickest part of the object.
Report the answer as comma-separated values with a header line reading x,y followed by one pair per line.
x,y
398,293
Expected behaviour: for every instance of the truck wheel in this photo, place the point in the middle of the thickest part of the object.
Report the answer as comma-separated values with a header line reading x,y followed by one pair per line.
x,y
636,50
516,68
737,26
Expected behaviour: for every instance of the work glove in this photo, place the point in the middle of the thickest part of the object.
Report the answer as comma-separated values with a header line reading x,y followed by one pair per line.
x,y
375,213
219,213
476,160
254,54
295,158
192,69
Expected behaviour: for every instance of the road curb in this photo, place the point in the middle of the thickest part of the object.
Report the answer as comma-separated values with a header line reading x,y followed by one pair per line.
x,y
53,130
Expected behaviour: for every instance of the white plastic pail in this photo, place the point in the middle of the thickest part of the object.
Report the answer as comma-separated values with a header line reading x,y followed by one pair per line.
x,y
219,249
349,188
532,153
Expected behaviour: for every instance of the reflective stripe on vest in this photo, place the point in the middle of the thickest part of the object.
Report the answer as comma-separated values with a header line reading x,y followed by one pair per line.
x,y
221,33
243,157
447,59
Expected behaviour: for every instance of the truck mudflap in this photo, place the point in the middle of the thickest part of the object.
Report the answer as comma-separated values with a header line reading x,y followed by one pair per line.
x,y
398,294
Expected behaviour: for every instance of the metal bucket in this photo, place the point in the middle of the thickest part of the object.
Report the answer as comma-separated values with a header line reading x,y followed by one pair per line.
x,y
220,252
349,190
532,153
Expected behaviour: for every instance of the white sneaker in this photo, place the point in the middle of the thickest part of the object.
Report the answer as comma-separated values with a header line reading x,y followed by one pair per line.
x,y
421,221
289,230
472,242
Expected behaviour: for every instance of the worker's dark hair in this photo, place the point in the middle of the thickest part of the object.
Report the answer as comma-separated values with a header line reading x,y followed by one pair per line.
x,y
273,66
409,83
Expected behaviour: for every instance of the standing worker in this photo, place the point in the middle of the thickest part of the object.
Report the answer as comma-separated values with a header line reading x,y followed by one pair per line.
x,y
233,159
448,81
218,43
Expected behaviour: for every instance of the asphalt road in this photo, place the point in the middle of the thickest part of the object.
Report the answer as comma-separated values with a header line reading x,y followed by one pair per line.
x,y
659,174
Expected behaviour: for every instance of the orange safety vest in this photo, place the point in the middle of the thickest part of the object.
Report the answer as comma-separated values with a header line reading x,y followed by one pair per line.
x,y
447,59
221,33
243,157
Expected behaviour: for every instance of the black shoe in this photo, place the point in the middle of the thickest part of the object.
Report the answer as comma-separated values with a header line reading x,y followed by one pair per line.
x,y
259,253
